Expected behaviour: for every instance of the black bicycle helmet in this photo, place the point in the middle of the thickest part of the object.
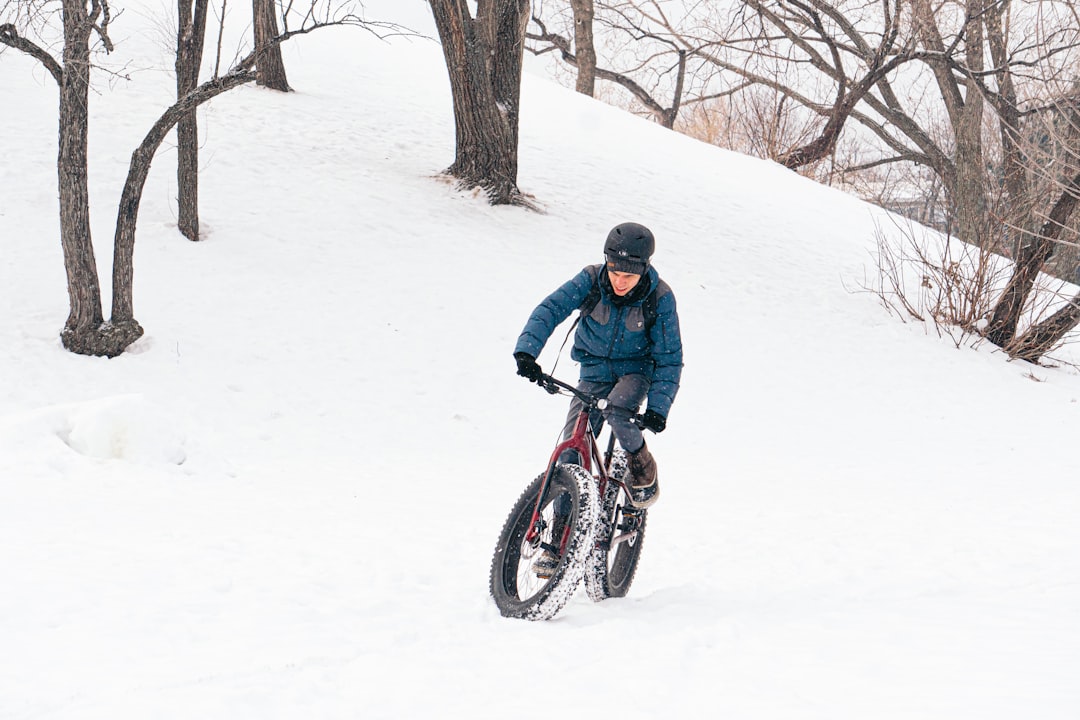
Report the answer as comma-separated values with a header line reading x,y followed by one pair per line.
x,y
629,247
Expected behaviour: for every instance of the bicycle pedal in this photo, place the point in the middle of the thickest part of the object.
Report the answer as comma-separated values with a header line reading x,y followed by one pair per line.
x,y
545,566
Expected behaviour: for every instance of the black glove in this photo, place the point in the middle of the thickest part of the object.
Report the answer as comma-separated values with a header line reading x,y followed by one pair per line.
x,y
527,367
654,421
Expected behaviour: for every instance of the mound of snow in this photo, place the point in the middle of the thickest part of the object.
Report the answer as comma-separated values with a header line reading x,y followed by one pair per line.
x,y
126,427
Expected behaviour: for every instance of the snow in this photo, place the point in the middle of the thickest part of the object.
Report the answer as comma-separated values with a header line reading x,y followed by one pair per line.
x,y
283,500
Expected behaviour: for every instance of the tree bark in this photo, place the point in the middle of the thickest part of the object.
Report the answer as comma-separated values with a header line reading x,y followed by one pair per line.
x,y
9,36
1040,338
507,54
964,105
1032,251
270,68
584,46
84,292
483,59
190,40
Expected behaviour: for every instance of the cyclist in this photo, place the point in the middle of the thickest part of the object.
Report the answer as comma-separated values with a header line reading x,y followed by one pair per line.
x,y
629,347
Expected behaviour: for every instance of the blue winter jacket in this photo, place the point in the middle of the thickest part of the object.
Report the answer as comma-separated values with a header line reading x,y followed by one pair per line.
x,y
612,340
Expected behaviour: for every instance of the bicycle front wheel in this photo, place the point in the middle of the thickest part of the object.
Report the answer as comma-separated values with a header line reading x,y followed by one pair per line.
x,y
517,590
620,535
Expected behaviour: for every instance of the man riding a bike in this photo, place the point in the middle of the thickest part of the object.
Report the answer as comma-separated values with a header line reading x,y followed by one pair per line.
x,y
628,345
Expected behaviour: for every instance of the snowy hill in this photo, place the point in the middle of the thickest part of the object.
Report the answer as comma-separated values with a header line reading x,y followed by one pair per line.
x,y
282,501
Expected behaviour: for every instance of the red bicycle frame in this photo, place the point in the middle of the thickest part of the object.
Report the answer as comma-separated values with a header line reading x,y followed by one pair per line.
x,y
583,442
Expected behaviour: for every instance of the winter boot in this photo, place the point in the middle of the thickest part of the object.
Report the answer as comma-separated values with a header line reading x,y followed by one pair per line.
x,y
644,486
546,564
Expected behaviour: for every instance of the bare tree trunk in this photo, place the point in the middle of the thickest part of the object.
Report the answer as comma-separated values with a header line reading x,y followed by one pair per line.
x,y
483,58
972,219
964,105
507,53
1039,339
270,68
190,40
1032,251
1042,338
85,332
584,46
84,292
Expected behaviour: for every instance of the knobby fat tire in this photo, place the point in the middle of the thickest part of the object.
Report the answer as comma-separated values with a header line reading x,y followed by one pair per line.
x,y
610,575
557,591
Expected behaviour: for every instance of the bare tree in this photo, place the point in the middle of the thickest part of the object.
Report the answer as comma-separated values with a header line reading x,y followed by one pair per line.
x,y
270,69
975,64
190,44
190,41
584,45
483,58
653,66
86,332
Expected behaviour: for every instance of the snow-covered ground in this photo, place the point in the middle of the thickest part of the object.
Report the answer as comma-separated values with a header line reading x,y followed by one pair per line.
x,y
282,501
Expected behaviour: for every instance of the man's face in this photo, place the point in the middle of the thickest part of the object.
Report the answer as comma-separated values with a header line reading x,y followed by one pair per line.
x,y
622,282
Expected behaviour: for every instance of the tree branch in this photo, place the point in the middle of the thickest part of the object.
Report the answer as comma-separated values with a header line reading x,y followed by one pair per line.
x,y
101,8
10,36
562,44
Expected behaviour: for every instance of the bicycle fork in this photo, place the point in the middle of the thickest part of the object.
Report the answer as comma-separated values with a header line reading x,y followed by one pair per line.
x,y
624,529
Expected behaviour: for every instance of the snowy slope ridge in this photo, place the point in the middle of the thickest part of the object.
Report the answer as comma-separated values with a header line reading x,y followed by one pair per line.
x,y
283,500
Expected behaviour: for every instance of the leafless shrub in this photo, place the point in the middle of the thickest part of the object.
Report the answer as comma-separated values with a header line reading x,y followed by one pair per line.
x,y
758,121
929,277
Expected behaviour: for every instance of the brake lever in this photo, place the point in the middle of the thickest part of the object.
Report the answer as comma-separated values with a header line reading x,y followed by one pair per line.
x,y
550,387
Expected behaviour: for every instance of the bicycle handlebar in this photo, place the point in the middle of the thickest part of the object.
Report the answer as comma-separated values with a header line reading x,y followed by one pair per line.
x,y
553,385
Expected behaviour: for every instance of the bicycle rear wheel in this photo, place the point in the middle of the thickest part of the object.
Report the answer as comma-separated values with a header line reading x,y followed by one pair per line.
x,y
620,534
517,591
